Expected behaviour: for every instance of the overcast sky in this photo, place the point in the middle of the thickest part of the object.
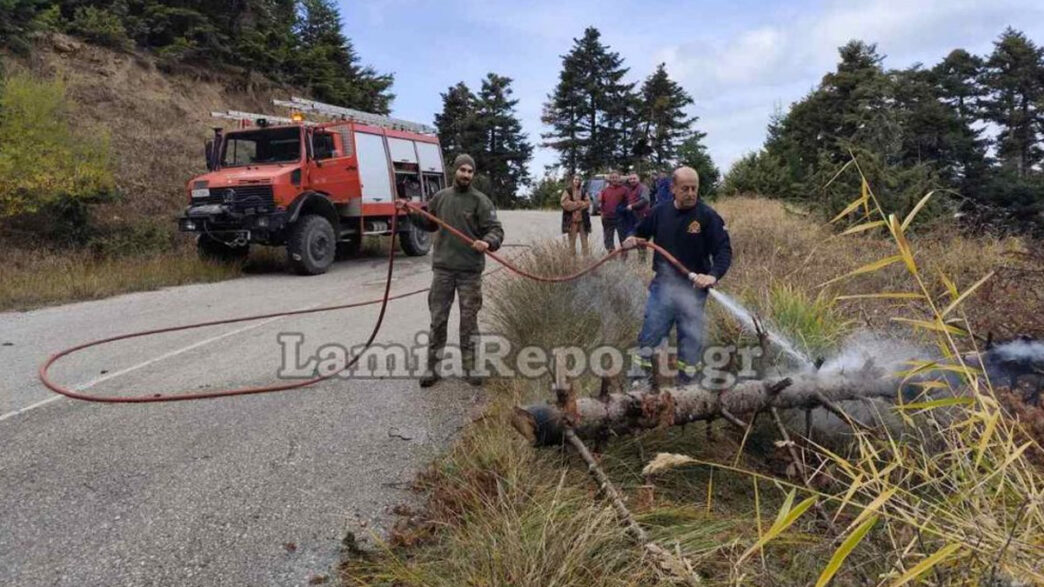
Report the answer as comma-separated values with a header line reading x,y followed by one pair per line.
x,y
740,60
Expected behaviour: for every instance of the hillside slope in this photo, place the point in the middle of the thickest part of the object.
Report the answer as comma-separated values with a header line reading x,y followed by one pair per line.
x,y
157,115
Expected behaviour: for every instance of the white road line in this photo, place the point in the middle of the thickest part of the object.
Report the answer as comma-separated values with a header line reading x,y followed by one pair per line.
x,y
93,382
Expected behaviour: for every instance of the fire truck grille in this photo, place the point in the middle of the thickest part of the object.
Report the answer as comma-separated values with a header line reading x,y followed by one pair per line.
x,y
241,197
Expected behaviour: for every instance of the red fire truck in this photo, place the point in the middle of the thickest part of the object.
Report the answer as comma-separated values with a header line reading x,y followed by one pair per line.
x,y
314,187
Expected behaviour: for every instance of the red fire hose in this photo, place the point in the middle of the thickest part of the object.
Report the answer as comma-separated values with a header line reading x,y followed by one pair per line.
x,y
383,300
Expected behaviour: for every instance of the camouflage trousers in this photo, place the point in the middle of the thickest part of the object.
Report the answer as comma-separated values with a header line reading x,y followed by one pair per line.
x,y
444,285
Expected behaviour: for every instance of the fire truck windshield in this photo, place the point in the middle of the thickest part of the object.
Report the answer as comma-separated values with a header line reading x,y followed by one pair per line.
x,y
262,146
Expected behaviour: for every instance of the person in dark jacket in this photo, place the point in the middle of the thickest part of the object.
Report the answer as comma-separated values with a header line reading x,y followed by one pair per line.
x,y
663,189
695,234
637,197
576,215
457,266
638,206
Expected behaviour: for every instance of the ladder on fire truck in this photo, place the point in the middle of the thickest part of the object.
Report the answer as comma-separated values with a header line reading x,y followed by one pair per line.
x,y
341,113
301,105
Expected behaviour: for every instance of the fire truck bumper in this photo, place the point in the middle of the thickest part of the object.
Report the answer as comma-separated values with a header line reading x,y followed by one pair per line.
x,y
219,218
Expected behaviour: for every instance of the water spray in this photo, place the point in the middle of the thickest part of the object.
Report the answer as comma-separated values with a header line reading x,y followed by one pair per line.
x,y
748,321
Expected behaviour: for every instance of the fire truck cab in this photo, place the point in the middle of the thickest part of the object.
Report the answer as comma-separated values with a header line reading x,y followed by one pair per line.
x,y
315,188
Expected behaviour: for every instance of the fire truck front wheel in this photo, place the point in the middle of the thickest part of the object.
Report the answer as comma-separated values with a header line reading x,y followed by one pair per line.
x,y
312,245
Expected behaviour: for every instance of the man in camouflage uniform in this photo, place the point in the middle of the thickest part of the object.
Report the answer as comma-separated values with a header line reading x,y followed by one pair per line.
x,y
457,266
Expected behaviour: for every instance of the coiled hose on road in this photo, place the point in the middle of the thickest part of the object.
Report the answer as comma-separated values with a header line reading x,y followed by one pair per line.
x,y
383,301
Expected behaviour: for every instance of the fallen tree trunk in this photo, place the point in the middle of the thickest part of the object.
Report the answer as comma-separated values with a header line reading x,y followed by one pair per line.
x,y
624,413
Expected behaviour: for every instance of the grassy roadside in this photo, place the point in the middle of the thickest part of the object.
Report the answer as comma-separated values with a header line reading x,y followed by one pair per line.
x,y
36,278
32,279
500,512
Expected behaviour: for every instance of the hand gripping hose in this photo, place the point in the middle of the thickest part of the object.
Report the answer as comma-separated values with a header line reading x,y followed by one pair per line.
x,y
383,301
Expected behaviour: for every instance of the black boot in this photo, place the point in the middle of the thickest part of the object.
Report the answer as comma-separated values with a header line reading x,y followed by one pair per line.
x,y
431,374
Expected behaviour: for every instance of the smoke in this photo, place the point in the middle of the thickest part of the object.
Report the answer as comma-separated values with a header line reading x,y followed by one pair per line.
x,y
865,349
1019,351
615,294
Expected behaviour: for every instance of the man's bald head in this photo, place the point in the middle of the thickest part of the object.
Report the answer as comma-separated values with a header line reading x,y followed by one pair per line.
x,y
685,185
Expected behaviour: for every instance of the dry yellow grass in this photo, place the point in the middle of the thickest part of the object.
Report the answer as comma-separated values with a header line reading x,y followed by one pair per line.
x,y
774,244
30,279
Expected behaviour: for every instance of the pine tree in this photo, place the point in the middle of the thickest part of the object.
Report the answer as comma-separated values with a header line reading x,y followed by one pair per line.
x,y
662,116
458,122
1014,77
692,153
591,110
505,152
957,83
329,66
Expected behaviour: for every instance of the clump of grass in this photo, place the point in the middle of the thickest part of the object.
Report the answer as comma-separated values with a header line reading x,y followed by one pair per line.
x,y
813,322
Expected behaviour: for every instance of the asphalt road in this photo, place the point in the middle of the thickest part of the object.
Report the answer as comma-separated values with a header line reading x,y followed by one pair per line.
x,y
255,490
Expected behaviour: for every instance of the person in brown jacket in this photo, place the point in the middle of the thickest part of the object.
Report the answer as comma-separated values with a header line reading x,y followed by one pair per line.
x,y
576,215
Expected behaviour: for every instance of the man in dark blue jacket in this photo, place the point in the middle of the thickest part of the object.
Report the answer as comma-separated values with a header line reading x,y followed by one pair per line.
x,y
663,189
695,234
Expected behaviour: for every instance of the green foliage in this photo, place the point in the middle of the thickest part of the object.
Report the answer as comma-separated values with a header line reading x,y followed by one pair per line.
x,y
913,131
100,26
326,62
759,173
665,123
294,41
505,152
486,127
547,192
458,122
598,122
1014,74
694,154
17,20
44,164
591,111
814,322
49,20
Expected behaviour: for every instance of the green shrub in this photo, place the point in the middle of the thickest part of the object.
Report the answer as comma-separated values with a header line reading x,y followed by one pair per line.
x,y
49,20
759,173
130,239
45,165
100,26
16,21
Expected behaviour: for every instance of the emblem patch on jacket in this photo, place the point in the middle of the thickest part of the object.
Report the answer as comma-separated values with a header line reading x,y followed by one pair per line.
x,y
694,227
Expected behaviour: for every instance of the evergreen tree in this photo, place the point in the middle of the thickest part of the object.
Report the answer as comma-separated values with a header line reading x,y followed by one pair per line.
x,y
505,152
591,109
295,41
1014,77
693,153
662,116
329,66
16,21
458,122
957,84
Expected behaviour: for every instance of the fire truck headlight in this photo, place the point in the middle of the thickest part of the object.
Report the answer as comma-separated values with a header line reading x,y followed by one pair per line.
x,y
200,193
189,225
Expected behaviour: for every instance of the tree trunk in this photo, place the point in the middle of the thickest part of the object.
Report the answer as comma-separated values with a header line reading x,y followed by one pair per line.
x,y
623,413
